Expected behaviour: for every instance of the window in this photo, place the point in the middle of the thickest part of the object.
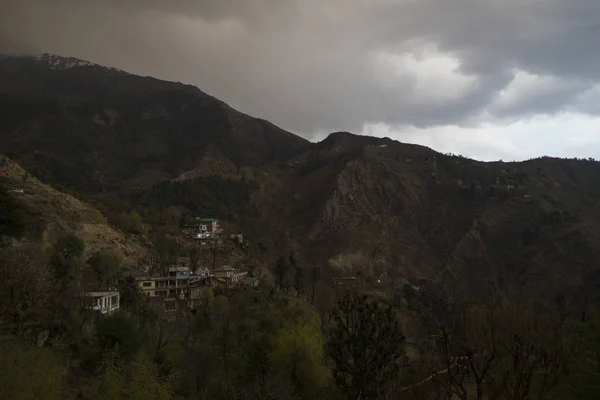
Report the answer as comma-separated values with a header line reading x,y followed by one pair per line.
x,y
147,284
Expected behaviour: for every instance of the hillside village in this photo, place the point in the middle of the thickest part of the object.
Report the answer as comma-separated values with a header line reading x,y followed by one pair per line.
x,y
180,286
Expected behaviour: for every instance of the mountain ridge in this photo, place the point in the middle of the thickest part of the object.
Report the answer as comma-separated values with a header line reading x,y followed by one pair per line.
x,y
390,211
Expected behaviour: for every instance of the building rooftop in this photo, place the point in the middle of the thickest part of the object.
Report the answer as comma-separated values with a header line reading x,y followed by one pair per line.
x,y
99,294
179,269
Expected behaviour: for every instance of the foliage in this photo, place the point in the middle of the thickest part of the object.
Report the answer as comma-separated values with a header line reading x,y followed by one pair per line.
x,y
366,346
225,199
65,256
12,215
98,218
29,373
130,297
106,264
298,351
132,223
138,380
119,333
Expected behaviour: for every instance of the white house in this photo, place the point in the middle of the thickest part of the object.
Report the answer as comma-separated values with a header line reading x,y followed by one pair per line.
x,y
104,302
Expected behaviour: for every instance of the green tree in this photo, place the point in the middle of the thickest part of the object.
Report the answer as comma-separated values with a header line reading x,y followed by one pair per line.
x,y
298,351
12,216
97,217
106,264
130,297
136,224
138,380
366,346
65,256
30,373
118,332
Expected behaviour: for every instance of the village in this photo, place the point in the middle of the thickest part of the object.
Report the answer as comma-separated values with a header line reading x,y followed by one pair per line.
x,y
181,287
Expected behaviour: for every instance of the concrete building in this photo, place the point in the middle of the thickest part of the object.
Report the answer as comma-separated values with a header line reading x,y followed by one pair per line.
x,y
103,302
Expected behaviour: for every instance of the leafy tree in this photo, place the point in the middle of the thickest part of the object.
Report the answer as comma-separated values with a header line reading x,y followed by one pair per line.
x,y
27,286
30,373
130,297
12,218
298,351
366,346
106,264
584,382
65,256
97,217
138,380
118,332
136,224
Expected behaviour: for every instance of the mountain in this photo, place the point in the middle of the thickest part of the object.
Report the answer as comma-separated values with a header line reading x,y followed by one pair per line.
x,y
93,128
392,212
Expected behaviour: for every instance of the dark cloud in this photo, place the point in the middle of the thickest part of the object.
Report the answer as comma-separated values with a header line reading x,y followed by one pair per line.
x,y
313,65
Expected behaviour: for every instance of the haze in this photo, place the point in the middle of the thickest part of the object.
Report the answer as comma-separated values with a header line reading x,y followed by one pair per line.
x,y
488,79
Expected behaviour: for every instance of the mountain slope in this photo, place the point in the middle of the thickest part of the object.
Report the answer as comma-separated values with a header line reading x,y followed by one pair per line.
x,y
390,211
54,212
118,130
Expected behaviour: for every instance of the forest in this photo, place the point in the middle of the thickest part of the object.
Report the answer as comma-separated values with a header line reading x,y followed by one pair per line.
x,y
280,341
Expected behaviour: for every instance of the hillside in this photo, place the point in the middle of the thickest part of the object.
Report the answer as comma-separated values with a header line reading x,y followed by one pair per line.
x,y
392,212
120,131
56,212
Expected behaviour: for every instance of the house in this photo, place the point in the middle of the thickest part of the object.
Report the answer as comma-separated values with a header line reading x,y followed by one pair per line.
x,y
227,275
104,302
209,225
175,284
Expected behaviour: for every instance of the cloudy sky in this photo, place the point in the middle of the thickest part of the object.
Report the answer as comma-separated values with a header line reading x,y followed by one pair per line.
x,y
489,79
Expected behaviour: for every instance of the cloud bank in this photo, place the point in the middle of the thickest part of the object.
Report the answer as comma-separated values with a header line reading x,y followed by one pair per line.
x,y
489,78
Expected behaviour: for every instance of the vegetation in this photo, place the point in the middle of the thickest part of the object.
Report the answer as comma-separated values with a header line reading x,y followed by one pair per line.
x,y
225,199
12,215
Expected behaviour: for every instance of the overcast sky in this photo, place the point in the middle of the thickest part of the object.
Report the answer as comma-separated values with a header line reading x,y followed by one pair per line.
x,y
489,79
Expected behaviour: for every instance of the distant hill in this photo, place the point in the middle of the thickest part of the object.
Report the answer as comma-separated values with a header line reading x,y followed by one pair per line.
x,y
392,212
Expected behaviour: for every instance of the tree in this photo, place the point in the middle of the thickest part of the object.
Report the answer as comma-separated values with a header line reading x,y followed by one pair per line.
x,y
281,269
119,333
12,218
27,282
140,379
166,250
106,264
29,373
194,255
298,351
65,256
136,224
130,297
366,346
